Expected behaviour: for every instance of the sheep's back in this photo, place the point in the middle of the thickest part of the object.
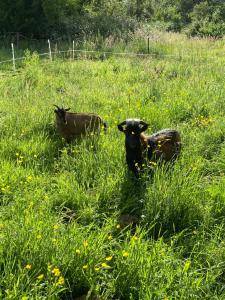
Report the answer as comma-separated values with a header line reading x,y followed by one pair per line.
x,y
78,124
166,144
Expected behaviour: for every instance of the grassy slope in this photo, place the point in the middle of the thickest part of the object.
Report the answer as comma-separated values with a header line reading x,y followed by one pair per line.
x,y
177,251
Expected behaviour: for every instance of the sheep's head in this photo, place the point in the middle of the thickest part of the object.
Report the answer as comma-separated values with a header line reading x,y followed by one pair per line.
x,y
132,129
61,113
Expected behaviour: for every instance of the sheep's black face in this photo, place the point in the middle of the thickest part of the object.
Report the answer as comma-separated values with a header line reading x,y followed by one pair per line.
x,y
132,141
132,129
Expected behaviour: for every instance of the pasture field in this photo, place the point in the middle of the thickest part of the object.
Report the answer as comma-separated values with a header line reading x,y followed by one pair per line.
x,y
61,233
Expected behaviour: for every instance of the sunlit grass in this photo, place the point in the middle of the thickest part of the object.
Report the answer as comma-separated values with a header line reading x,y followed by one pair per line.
x,y
65,208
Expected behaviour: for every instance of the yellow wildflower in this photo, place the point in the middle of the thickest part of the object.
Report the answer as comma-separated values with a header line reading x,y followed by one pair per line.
x,y
17,154
85,243
108,258
118,226
97,269
28,267
40,277
85,267
104,265
125,253
56,272
109,237
39,236
29,178
77,251
24,298
56,226
61,280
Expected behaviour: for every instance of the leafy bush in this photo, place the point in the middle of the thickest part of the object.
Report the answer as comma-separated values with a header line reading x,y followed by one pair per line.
x,y
208,20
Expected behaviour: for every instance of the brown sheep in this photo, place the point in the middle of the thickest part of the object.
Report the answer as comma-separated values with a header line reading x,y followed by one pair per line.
x,y
164,145
73,125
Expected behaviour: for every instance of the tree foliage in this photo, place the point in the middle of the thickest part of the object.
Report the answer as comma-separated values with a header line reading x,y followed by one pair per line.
x,y
39,17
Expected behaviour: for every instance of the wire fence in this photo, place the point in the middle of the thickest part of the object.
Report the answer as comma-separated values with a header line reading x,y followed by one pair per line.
x,y
101,54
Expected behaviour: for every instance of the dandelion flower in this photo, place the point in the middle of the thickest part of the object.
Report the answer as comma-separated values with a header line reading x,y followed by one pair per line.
x,y
77,251
17,154
97,269
118,226
85,267
109,237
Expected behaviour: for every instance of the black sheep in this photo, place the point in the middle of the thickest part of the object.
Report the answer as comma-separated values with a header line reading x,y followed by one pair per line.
x,y
163,145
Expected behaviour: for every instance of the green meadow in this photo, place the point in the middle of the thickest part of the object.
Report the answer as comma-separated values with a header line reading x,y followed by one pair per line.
x,y
62,207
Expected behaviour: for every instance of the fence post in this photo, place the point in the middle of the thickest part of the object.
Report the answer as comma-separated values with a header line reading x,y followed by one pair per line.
x,y
13,56
148,45
73,50
50,51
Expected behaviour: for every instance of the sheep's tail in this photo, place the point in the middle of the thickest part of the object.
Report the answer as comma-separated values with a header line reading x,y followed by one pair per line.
x,y
105,125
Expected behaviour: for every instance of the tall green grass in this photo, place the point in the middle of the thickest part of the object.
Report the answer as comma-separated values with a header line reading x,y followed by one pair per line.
x,y
61,229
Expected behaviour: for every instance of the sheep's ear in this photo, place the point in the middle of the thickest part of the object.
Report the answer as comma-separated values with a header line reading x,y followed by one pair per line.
x,y
67,109
56,106
121,126
143,126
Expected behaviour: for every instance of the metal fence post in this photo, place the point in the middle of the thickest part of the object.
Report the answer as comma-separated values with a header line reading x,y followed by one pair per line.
x,y
50,51
13,56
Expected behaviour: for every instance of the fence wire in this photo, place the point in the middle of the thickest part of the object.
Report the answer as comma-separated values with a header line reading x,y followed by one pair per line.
x,y
206,60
